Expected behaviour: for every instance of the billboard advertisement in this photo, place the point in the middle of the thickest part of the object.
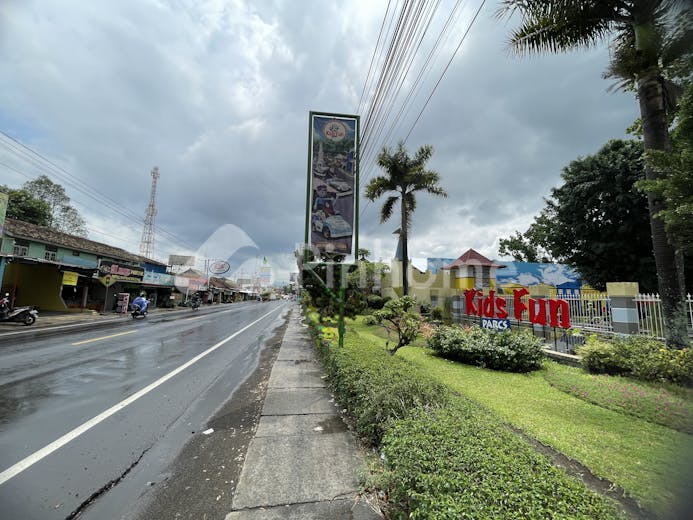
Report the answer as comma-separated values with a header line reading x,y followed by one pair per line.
x,y
332,205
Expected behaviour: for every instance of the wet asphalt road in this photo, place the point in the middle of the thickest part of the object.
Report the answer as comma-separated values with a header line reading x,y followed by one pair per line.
x,y
51,386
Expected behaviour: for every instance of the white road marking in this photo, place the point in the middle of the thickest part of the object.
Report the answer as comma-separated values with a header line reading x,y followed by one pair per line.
x,y
103,337
35,457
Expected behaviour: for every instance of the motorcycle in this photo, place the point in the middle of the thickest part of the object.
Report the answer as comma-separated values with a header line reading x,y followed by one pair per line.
x,y
26,315
138,311
195,304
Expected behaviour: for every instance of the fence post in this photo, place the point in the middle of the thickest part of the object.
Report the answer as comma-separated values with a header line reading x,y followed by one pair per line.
x,y
624,310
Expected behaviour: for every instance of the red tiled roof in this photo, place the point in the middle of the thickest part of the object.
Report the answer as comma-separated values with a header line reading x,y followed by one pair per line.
x,y
471,257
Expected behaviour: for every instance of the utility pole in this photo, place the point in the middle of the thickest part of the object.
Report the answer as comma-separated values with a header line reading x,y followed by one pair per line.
x,y
147,242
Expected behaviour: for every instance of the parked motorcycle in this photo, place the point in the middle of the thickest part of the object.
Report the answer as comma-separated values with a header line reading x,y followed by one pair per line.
x,y
195,304
26,315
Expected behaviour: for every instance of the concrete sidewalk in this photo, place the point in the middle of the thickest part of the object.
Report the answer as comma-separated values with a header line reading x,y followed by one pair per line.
x,y
303,463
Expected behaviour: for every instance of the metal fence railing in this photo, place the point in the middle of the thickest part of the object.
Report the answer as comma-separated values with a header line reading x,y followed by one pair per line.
x,y
589,312
651,318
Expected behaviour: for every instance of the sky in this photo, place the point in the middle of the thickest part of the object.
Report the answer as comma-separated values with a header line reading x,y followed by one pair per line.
x,y
217,93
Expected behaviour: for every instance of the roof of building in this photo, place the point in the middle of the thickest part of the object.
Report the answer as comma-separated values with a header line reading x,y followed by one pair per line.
x,y
46,235
472,257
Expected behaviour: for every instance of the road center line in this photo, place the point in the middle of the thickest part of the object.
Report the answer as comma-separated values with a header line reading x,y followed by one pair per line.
x,y
102,337
35,457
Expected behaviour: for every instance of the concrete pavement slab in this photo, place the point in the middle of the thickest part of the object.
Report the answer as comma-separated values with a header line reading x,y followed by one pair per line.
x,y
298,469
298,373
312,424
290,353
344,509
297,401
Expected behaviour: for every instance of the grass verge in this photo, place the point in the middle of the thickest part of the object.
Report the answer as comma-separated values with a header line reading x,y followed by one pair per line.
x,y
647,460
445,455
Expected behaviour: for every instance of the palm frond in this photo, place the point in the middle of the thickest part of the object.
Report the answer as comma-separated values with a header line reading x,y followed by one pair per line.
x,y
557,26
386,210
378,186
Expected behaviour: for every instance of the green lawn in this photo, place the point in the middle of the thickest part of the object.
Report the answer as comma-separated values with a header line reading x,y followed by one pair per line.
x,y
645,459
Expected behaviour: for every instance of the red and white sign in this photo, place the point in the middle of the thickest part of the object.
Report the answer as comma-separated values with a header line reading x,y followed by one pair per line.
x,y
492,306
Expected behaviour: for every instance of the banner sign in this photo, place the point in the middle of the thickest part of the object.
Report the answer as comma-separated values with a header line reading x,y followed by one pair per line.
x,y
495,324
332,205
152,278
70,278
119,272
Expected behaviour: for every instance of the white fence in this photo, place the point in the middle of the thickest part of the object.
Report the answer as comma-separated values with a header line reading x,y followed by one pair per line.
x,y
591,311
651,317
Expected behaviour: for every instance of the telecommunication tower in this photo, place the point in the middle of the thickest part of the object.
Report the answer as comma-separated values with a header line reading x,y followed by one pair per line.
x,y
147,242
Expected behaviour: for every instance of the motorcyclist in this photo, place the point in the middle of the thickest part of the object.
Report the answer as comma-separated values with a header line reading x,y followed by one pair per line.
x,y
5,305
141,302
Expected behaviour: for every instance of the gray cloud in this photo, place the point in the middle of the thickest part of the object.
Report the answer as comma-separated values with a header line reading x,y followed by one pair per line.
x,y
217,94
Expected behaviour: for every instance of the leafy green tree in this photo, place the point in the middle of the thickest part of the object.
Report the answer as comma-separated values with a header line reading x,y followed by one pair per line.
x,y
25,207
645,39
367,275
596,221
530,246
63,216
398,318
363,254
404,177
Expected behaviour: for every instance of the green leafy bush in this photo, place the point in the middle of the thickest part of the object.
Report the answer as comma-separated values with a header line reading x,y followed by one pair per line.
x,y
374,388
461,462
637,356
398,317
376,302
509,351
436,314
445,456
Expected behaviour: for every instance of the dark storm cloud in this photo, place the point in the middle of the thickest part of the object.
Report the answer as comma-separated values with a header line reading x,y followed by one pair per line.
x,y
217,94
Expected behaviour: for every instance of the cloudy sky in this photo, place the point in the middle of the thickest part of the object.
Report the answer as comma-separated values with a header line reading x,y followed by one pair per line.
x,y
216,93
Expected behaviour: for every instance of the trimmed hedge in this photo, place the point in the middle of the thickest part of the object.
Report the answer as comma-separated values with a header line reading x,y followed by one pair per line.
x,y
461,462
639,357
445,456
509,351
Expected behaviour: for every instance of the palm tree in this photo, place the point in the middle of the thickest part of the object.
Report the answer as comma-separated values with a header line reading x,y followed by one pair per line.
x,y
643,44
405,176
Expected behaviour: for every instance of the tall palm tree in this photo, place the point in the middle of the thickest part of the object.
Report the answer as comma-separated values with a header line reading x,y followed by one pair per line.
x,y
404,177
643,43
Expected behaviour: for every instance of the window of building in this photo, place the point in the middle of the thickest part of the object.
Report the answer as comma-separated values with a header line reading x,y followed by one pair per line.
x,y
21,248
75,253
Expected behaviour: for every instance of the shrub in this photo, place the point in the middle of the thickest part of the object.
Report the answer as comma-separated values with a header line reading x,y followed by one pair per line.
x,y
436,314
446,456
425,308
398,317
461,462
638,356
509,351
376,388
376,302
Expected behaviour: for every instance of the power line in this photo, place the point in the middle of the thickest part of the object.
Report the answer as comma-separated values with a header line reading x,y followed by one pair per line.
x,y
47,166
378,114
